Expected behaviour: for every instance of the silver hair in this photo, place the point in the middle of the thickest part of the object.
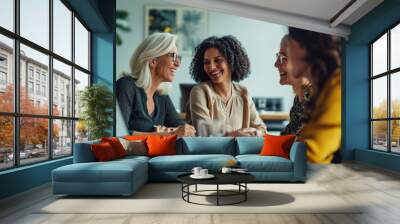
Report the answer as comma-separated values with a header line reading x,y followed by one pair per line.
x,y
153,46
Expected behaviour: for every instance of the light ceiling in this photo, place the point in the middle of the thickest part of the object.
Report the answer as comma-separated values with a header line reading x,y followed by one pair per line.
x,y
326,16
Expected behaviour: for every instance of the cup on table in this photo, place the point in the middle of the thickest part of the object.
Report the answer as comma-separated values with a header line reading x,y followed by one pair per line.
x,y
203,172
196,170
226,170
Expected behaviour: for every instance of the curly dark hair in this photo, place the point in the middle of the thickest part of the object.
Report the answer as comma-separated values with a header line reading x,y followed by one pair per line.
x,y
323,57
230,48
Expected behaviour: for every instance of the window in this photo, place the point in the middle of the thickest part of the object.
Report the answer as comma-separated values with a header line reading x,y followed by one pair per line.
x,y
37,74
3,71
30,72
7,14
385,97
81,45
3,61
44,91
38,89
6,91
43,77
3,78
41,69
30,87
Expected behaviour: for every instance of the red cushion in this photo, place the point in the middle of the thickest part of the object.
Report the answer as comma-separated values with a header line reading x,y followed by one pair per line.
x,y
103,151
161,145
116,145
277,145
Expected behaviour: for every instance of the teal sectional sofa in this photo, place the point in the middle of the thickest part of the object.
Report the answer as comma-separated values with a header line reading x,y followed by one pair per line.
x,y
125,176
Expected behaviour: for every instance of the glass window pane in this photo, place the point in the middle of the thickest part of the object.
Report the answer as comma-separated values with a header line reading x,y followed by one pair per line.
x,y
62,138
395,136
379,97
395,47
81,45
62,89
81,81
6,142
395,95
379,135
33,140
6,74
34,96
7,14
35,21
81,131
379,55
62,29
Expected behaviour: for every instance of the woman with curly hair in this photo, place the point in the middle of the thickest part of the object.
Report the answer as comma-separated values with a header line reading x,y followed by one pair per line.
x,y
217,63
316,57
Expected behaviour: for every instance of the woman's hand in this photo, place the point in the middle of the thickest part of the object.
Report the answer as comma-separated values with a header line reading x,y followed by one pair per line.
x,y
246,132
184,130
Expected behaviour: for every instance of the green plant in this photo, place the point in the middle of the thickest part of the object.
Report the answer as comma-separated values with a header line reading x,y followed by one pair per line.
x,y
96,102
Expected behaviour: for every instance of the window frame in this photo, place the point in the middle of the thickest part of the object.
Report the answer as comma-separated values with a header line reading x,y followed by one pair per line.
x,y
388,74
51,118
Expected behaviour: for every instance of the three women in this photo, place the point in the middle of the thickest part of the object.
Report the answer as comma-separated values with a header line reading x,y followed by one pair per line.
x,y
313,60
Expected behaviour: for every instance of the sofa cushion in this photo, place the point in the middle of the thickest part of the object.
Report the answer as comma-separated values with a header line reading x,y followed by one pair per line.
x,y
118,177
134,147
116,145
257,163
277,145
206,145
103,152
185,163
129,159
159,145
249,145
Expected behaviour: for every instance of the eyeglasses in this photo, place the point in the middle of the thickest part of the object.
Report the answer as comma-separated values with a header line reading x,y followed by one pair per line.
x,y
281,58
175,57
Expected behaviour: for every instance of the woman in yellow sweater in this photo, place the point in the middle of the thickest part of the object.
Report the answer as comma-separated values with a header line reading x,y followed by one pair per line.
x,y
316,57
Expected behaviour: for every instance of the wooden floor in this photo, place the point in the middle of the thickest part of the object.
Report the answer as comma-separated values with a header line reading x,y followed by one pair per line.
x,y
378,188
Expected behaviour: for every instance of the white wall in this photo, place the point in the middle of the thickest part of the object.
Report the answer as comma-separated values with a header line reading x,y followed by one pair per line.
x,y
260,39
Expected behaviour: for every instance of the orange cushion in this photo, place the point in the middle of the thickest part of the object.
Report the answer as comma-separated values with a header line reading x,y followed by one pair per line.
x,y
103,151
116,145
277,145
135,137
161,145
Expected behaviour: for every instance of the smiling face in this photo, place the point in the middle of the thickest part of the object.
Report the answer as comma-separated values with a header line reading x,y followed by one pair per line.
x,y
216,66
296,66
165,66
281,63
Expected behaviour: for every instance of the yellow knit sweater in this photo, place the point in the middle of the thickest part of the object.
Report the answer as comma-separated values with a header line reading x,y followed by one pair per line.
x,y
322,134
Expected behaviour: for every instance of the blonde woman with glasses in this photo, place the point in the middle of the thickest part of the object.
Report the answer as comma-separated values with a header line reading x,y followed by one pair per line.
x,y
144,104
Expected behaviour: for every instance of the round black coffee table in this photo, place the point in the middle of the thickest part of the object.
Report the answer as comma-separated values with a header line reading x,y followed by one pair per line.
x,y
238,179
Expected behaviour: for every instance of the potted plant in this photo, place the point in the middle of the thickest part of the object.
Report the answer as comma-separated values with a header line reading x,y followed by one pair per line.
x,y
96,102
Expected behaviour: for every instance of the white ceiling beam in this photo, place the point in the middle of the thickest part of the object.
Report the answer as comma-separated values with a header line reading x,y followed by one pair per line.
x,y
268,15
348,12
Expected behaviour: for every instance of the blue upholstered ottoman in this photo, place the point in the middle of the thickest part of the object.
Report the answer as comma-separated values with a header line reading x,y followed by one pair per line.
x,y
88,177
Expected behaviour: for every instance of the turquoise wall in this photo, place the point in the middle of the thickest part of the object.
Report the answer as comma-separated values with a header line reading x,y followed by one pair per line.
x,y
100,17
356,86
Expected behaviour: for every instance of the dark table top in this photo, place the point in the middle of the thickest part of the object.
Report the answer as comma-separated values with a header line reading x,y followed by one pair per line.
x,y
220,178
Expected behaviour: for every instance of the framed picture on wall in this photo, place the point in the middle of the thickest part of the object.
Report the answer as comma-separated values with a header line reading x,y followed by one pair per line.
x,y
190,24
